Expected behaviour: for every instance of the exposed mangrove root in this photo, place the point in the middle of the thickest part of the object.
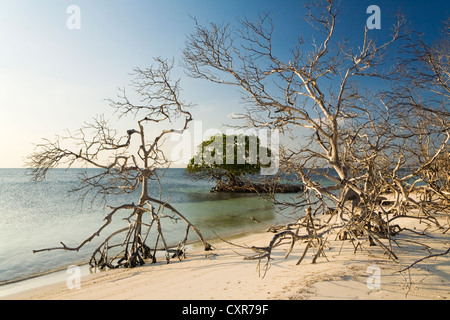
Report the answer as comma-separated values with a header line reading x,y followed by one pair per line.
x,y
312,233
258,188
133,250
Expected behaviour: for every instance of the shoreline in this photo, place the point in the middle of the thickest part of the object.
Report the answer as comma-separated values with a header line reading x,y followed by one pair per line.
x,y
59,275
259,227
222,274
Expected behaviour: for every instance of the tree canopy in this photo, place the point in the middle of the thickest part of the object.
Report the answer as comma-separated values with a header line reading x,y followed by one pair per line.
x,y
228,159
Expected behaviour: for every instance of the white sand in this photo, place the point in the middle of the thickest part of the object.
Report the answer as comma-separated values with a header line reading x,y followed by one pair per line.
x,y
223,274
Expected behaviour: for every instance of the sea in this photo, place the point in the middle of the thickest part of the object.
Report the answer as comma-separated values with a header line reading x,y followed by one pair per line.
x,y
39,215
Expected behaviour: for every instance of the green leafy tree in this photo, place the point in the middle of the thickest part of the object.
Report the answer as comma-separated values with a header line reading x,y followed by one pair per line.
x,y
229,159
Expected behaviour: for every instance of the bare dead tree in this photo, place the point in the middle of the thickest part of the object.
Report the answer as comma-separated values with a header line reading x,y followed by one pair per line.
x,y
423,91
420,95
353,142
126,163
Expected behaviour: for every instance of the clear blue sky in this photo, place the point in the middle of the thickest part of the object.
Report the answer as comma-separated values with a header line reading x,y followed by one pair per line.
x,y
53,78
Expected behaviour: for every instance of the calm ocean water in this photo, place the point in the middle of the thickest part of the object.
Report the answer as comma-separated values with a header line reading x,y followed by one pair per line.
x,y
41,215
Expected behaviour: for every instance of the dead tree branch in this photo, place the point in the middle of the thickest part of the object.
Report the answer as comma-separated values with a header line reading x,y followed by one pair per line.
x,y
126,164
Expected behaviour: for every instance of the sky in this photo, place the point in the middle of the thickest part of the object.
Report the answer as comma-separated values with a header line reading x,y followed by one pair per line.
x,y
54,78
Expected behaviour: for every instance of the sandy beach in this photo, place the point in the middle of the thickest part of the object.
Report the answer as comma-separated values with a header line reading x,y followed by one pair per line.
x,y
223,274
